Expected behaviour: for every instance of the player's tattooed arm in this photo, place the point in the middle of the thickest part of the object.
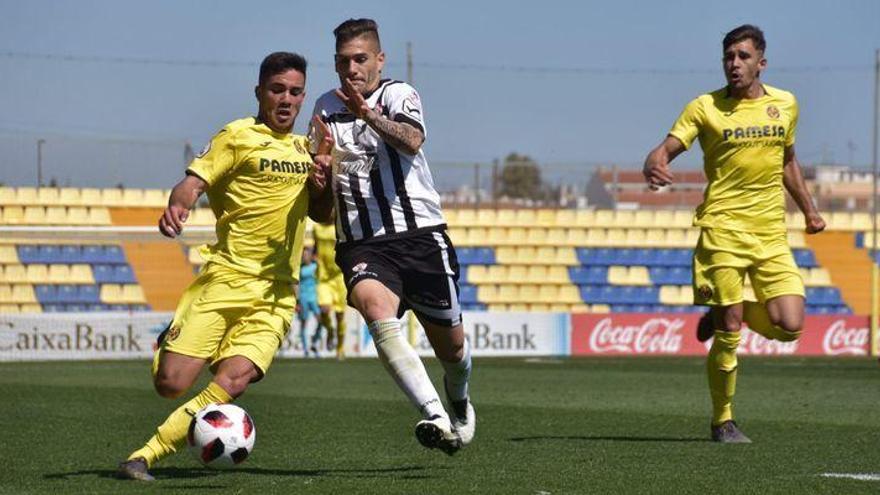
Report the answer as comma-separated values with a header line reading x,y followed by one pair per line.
x,y
794,183
400,135
183,198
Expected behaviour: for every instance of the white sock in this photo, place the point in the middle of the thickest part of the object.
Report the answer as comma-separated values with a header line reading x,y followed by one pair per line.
x,y
404,365
458,374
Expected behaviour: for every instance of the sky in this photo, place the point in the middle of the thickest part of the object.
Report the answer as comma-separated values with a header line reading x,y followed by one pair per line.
x,y
114,88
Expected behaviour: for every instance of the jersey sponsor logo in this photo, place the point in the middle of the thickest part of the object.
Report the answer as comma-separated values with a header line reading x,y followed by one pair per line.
x,y
359,267
772,112
753,132
284,166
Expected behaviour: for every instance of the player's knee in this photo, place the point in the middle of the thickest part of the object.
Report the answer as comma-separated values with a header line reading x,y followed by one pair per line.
x,y
234,384
451,354
169,386
791,325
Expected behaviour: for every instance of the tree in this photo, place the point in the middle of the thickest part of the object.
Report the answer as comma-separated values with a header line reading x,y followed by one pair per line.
x,y
520,178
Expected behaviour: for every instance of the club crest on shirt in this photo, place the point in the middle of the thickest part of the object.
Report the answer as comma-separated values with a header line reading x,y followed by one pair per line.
x,y
772,111
204,151
359,267
704,291
173,333
298,146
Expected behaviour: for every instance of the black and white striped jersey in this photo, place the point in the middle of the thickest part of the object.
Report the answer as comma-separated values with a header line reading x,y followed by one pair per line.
x,y
379,190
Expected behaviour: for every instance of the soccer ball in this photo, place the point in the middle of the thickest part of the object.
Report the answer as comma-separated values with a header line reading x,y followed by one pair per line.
x,y
221,435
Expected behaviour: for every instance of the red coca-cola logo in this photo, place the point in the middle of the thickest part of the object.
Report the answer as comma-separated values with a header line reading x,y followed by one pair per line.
x,y
652,336
842,340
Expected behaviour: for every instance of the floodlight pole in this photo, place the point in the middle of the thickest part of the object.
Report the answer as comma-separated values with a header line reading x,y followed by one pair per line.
x,y
40,143
875,304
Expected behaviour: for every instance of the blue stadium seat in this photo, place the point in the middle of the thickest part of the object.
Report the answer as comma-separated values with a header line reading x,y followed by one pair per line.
x,y
98,307
588,275
46,294
50,254
473,307
860,239
92,254
647,295
597,256
475,256
672,257
823,295
625,256
28,254
122,274
67,294
53,308
114,254
104,274
612,294
818,309
589,293
89,294
805,258
462,274
468,294
71,254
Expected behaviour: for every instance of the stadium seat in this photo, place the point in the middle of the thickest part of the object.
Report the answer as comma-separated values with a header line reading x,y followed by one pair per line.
x,y
49,253
676,237
70,253
458,236
133,198
615,237
618,275
682,218
839,220
56,215
662,218
26,196
566,219
36,273
487,294
14,274
69,196
112,197
644,219
486,217
546,217
81,274
596,237
636,237
592,275
468,294
5,293
506,218
13,215
526,217
133,294
804,258
7,196
23,294
90,197
569,294
576,236
77,215
34,215
58,274
99,216
47,196
604,219
861,221
202,217
8,255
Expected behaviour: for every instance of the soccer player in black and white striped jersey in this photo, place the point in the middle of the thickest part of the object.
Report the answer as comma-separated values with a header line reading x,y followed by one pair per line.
x,y
392,243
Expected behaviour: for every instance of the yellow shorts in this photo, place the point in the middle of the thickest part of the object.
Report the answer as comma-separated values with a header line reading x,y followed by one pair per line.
x,y
724,257
226,313
332,293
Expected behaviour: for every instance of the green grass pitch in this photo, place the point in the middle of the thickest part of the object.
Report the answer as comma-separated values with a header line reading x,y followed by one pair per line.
x,y
547,426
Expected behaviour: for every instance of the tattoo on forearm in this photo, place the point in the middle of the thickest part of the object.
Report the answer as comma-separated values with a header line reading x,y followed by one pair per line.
x,y
399,135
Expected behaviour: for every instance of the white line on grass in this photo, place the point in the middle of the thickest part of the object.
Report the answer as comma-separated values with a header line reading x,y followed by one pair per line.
x,y
853,476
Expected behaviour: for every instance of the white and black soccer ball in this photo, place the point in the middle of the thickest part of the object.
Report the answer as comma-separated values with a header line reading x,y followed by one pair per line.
x,y
221,435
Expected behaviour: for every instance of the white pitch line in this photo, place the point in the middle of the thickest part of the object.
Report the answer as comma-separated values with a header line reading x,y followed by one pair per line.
x,y
853,476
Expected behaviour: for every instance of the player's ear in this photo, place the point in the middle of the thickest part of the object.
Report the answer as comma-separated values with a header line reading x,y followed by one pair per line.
x,y
380,58
762,63
257,92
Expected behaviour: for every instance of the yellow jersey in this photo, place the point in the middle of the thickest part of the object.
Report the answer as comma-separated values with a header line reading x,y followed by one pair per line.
x,y
256,186
325,247
743,145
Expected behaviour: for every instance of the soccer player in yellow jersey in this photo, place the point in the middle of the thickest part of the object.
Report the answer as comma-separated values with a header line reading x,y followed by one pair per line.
x,y
261,183
747,133
332,295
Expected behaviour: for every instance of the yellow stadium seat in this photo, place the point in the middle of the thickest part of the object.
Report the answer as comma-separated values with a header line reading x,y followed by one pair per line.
x,y
638,275
7,196
34,215
600,308
682,218
155,198
498,274
99,215
516,236
618,275
526,218
528,294
56,215
486,217
77,215
655,237
676,238
616,237
796,239
840,220
820,277
476,236
47,196
636,237
8,255
566,219
506,255
560,308
69,196
476,274
557,275
576,237
30,308
686,294
5,293
487,294
58,274
569,294
526,255
111,294
644,219
861,221
495,236
467,218
517,308
201,217
506,218
112,197
508,293
37,274
81,274
624,218
537,236
596,237
535,274
579,308
604,218
670,294
794,220
539,308
545,255
512,274
566,256
23,294
458,235
13,274
547,294
90,197
546,217
13,215
585,218
556,237
8,309
26,196
691,236
451,216
663,218
133,294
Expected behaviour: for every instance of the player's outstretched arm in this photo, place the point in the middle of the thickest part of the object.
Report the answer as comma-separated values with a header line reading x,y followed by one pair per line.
x,y
794,183
656,169
320,178
183,198
400,135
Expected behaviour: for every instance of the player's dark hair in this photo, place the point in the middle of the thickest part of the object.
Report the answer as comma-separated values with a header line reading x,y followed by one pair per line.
x,y
745,32
279,62
355,28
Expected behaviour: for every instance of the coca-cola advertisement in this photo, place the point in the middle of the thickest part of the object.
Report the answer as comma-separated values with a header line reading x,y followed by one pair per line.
x,y
635,334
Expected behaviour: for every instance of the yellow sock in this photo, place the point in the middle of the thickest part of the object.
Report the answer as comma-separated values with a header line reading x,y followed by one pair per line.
x,y
172,433
340,336
721,367
758,319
